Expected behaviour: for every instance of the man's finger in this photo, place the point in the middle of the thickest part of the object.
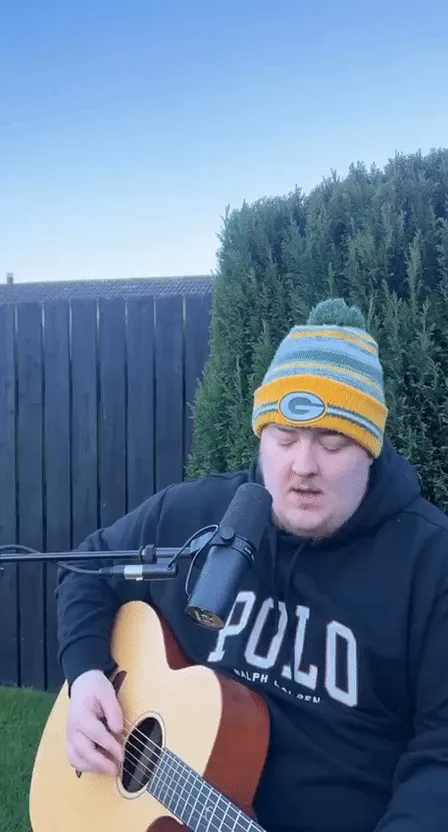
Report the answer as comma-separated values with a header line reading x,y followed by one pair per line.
x,y
85,757
112,712
96,731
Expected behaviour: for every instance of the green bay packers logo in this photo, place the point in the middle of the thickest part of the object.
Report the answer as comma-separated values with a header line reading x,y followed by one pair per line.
x,y
302,407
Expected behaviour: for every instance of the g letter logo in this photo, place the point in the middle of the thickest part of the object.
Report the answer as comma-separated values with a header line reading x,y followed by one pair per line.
x,y
302,407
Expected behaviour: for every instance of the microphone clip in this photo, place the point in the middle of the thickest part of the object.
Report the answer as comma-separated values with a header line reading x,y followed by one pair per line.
x,y
227,536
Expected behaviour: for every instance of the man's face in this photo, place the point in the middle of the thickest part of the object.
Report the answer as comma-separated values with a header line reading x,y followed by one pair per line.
x,y
317,478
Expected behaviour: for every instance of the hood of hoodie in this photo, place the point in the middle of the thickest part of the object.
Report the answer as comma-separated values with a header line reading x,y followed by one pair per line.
x,y
393,485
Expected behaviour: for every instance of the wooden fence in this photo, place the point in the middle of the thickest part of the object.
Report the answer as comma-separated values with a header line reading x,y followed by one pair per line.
x,y
95,416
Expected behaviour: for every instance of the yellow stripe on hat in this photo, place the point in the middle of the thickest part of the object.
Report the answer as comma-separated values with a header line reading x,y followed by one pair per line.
x,y
331,392
367,344
364,437
330,368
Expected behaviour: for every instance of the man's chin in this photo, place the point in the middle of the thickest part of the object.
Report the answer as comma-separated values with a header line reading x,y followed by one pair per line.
x,y
302,524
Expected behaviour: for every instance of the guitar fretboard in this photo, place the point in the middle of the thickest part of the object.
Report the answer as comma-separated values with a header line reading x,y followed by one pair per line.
x,y
194,801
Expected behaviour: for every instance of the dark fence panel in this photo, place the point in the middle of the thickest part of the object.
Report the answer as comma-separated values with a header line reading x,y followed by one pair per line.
x,y
95,416
30,492
57,485
84,421
141,451
9,610
169,391
112,411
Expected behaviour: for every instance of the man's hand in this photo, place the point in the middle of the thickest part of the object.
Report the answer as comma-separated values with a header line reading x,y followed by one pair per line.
x,y
92,699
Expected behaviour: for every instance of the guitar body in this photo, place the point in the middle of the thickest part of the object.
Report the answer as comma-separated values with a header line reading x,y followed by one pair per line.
x,y
213,724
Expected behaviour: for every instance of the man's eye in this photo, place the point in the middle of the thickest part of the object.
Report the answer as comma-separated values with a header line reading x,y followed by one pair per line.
x,y
286,439
333,443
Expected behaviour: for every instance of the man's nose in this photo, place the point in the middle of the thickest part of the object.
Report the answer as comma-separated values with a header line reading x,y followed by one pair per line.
x,y
304,461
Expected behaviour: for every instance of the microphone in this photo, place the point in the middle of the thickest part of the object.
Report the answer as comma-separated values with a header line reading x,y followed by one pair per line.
x,y
231,554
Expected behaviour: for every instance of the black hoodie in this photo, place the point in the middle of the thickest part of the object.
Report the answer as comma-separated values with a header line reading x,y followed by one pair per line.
x,y
346,640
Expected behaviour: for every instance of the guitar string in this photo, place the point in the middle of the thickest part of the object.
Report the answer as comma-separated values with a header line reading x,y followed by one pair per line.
x,y
173,764
232,819
155,748
172,769
215,825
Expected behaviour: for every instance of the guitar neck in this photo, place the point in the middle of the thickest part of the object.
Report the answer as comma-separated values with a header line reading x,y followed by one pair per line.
x,y
193,801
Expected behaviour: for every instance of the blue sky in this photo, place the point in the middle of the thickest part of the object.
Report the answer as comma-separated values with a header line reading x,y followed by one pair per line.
x,y
127,128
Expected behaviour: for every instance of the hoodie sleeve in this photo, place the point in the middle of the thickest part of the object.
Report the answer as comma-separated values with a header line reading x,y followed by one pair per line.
x,y
420,789
86,605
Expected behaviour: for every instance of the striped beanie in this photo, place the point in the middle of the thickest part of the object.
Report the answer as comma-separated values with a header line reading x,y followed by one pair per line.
x,y
326,374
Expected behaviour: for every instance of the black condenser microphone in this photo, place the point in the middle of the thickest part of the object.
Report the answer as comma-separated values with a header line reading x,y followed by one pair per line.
x,y
232,552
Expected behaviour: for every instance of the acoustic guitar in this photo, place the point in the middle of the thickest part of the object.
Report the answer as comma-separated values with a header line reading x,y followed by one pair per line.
x,y
195,745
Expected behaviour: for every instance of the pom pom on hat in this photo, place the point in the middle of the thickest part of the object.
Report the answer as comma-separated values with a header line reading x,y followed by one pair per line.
x,y
335,312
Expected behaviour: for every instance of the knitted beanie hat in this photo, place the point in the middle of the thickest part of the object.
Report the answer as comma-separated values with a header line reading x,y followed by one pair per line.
x,y
326,374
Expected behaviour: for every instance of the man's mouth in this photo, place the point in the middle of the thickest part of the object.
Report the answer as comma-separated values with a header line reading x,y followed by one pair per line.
x,y
307,492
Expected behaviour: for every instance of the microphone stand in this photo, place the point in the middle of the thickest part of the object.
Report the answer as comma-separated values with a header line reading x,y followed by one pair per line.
x,y
235,542
153,562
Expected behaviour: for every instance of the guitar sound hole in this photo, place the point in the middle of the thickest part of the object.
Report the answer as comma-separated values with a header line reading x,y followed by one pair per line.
x,y
141,754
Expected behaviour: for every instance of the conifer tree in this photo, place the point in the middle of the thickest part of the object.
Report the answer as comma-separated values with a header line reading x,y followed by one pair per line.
x,y
379,239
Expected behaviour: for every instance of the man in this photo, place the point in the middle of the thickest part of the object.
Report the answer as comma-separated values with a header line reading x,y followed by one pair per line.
x,y
342,623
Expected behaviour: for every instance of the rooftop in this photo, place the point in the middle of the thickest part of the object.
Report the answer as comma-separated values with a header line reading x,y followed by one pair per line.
x,y
99,289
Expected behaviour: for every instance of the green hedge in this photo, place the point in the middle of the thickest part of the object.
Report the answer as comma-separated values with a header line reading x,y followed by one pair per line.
x,y
378,238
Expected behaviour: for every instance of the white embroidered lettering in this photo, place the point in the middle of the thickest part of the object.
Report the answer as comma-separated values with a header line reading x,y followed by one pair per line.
x,y
335,631
341,661
252,657
247,600
308,678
